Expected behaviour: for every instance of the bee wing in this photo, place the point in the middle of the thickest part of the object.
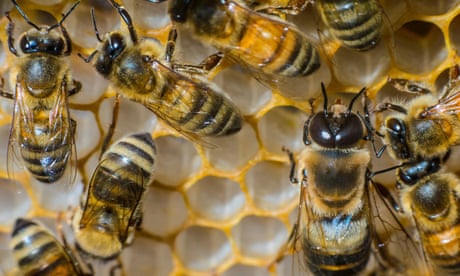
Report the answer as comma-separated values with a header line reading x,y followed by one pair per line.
x,y
396,250
449,103
22,116
182,102
118,185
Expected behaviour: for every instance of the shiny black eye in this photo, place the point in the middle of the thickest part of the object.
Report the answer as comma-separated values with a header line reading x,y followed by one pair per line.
x,y
397,133
42,44
116,44
413,172
342,132
178,10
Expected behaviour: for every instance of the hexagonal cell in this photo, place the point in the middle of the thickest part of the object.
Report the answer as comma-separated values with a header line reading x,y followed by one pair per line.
x,y
429,7
453,32
107,20
202,248
190,50
15,202
246,270
227,199
93,84
305,88
145,120
260,237
147,15
177,160
419,47
250,99
361,68
87,135
281,127
58,196
234,151
269,187
147,257
165,212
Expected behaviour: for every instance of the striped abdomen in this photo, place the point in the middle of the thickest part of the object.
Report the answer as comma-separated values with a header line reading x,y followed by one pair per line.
x,y
38,253
46,149
338,245
195,107
124,172
435,207
358,24
270,46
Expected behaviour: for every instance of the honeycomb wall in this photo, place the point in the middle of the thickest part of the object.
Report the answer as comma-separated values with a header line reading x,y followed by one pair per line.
x,y
225,209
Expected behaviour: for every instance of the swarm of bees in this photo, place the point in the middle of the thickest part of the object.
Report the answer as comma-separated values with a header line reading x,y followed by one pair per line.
x,y
347,222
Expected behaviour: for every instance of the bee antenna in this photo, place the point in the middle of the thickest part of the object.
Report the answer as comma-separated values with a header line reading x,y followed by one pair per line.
x,y
93,19
127,19
355,98
323,90
64,16
23,14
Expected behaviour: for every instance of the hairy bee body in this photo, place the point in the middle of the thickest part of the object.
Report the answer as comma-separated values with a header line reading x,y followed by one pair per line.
x,y
141,72
39,253
112,206
336,235
42,132
258,42
357,24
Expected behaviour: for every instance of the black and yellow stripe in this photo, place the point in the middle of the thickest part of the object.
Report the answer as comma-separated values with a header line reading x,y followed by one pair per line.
x,y
39,253
358,24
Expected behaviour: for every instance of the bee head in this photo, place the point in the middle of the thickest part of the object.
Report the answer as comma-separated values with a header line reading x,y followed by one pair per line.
x,y
178,10
396,132
111,48
42,41
336,126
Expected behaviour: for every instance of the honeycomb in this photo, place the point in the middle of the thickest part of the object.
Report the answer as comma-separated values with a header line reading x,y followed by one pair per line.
x,y
225,209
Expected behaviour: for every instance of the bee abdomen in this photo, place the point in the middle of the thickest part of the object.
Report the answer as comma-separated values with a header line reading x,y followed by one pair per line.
x,y
443,248
129,165
205,112
46,162
358,26
37,251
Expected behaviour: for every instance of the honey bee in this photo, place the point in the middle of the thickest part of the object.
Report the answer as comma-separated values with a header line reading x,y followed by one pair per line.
x,y
111,209
38,252
42,132
265,45
334,222
421,136
428,126
141,72
357,24
278,6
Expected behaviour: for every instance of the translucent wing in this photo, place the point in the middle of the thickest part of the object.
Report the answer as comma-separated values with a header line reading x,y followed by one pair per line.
x,y
397,251
192,107
449,101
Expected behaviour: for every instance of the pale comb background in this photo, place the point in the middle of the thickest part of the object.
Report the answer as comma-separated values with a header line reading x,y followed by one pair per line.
x,y
225,210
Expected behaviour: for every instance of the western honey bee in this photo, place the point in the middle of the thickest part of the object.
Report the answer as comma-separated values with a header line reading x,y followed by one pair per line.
x,y
428,126
141,72
42,132
111,208
421,136
334,221
357,24
265,45
38,252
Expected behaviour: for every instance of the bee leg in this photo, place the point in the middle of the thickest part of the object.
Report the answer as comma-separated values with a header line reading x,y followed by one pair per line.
x,y
208,64
111,130
88,58
75,87
127,19
389,106
4,93
408,86
384,193
170,45
10,30
292,173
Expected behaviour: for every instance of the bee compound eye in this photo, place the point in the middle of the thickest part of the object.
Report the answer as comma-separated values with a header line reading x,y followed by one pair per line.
x,y
350,132
320,132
